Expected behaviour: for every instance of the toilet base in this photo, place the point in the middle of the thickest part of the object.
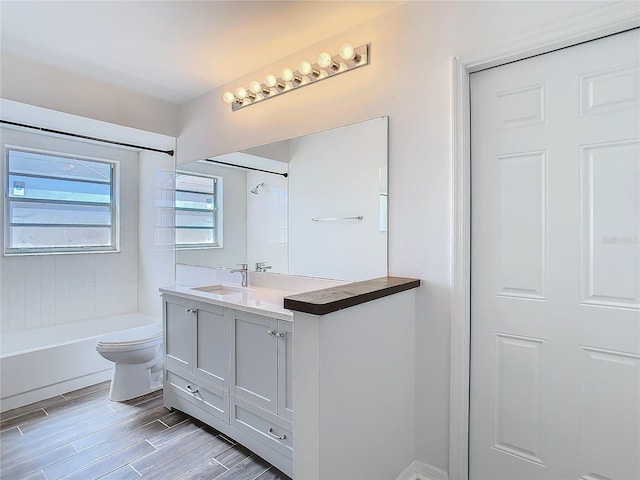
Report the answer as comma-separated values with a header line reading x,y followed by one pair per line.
x,y
134,380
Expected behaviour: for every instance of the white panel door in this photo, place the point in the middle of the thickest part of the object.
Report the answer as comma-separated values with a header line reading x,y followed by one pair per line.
x,y
555,298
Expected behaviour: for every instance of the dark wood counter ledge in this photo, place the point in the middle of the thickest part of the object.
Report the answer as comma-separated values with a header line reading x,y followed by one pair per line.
x,y
328,300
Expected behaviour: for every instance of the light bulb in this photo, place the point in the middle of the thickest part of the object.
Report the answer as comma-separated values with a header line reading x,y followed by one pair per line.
x,y
228,97
347,52
255,87
287,74
270,81
305,68
241,93
325,60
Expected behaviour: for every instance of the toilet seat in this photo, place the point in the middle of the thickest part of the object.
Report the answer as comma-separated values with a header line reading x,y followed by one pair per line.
x,y
133,337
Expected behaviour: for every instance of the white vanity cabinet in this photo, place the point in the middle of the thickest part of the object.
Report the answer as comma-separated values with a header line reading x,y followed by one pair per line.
x,y
261,372
211,360
178,334
233,370
229,363
196,370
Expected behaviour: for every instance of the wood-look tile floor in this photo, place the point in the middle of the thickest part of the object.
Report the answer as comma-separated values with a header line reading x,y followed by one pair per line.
x,y
82,435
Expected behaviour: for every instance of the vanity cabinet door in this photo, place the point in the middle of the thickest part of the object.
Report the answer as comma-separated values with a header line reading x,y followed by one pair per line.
x,y
212,345
255,359
285,369
178,334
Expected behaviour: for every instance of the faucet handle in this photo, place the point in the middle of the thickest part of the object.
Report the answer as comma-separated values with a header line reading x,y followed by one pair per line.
x,y
262,266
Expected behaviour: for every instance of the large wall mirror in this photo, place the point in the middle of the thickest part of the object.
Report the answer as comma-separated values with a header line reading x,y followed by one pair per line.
x,y
314,206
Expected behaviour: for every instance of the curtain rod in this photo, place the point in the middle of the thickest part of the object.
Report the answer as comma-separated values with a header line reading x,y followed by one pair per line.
x,y
86,137
246,168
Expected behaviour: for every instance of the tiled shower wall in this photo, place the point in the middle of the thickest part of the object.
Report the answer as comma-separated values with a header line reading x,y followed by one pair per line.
x,y
39,290
156,258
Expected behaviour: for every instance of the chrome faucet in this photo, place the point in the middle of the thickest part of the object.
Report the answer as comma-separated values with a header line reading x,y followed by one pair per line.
x,y
243,271
262,266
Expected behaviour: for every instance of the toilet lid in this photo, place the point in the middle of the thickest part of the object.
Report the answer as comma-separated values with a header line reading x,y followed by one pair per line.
x,y
131,336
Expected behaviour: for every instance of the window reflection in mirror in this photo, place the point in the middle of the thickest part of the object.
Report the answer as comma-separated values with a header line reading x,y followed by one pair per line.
x,y
197,211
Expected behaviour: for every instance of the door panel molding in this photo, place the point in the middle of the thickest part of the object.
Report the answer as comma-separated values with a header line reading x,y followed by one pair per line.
x,y
610,226
610,90
613,376
602,22
520,432
523,228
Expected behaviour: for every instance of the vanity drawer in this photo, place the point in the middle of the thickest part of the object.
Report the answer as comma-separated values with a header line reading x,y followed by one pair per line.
x,y
211,399
262,425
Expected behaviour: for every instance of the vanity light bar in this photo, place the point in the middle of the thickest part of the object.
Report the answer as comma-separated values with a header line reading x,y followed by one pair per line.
x,y
326,66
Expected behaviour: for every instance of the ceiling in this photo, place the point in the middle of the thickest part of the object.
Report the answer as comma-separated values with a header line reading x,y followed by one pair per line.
x,y
173,50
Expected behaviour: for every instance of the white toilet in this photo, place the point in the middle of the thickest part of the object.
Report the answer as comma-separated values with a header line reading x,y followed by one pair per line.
x,y
137,354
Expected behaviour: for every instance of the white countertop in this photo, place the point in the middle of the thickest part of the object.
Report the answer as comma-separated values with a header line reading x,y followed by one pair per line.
x,y
259,300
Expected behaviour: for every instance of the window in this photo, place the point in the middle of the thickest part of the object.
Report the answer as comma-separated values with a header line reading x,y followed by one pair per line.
x,y
57,203
196,211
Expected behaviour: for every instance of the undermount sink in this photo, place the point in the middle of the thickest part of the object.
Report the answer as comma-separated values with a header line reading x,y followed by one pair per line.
x,y
219,289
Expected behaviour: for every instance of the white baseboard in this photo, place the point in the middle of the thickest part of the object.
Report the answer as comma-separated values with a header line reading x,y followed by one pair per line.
x,y
422,471
427,472
26,398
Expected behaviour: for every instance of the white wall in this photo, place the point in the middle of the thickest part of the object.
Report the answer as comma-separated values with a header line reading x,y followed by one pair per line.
x,y
34,83
278,151
333,175
39,290
267,221
409,80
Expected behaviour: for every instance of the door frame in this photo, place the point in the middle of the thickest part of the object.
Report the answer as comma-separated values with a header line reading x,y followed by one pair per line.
x,y
605,21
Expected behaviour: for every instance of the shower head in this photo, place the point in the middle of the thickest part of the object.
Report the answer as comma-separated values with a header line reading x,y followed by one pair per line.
x,y
254,190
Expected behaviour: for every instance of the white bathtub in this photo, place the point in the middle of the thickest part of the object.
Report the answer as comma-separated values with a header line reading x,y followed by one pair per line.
x,y
43,362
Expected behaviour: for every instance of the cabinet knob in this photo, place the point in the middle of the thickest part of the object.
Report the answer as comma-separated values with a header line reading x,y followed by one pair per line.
x,y
279,437
280,334
190,310
273,333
